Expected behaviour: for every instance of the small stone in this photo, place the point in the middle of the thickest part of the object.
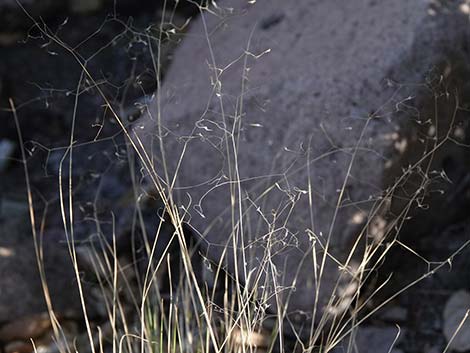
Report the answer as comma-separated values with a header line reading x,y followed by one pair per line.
x,y
456,302
13,208
6,150
395,314
19,347
85,6
9,38
434,349
456,323
24,328
371,339
378,339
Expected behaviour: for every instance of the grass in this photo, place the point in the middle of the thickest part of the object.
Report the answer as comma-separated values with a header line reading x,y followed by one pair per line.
x,y
183,302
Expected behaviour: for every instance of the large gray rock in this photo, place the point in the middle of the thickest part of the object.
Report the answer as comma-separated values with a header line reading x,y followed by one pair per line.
x,y
283,124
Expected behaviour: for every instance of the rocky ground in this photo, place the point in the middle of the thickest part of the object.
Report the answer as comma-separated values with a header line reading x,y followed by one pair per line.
x,y
43,79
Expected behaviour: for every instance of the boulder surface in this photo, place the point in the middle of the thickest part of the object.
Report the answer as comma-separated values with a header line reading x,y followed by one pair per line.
x,y
283,131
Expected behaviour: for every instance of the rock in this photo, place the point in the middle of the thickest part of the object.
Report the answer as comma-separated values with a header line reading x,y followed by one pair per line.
x,y
13,208
6,150
283,126
8,39
434,349
19,347
395,314
32,326
369,339
16,336
85,6
19,276
456,324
